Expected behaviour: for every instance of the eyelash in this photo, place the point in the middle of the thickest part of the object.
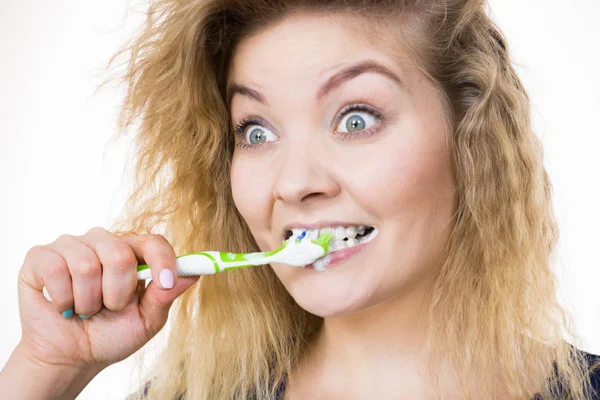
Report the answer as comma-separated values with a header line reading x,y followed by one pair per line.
x,y
381,119
243,124
240,134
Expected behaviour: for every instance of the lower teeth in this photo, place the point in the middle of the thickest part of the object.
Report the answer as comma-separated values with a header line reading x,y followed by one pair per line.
x,y
322,263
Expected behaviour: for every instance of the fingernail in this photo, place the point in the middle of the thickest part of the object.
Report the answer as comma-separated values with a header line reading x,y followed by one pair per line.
x,y
166,278
84,316
68,313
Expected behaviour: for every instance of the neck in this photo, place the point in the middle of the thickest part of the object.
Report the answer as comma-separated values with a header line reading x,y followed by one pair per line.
x,y
382,346
390,329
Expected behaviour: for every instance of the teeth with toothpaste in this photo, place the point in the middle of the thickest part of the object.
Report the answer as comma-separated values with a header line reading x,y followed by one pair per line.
x,y
343,237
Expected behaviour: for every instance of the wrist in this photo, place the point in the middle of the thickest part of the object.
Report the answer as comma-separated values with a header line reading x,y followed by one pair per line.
x,y
26,377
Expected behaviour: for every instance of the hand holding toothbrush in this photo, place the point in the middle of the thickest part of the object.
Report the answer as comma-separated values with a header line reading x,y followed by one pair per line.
x,y
65,282
89,275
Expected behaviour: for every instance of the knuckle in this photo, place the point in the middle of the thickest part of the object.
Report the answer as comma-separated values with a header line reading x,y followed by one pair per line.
x,y
55,269
95,230
64,238
35,251
154,239
86,266
157,242
121,257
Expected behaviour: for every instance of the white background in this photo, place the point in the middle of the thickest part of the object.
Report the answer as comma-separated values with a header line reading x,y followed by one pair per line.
x,y
58,174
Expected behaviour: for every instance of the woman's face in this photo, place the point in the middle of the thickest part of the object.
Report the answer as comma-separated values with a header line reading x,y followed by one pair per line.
x,y
341,134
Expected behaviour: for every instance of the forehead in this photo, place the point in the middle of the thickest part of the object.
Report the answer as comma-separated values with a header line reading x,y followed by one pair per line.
x,y
305,46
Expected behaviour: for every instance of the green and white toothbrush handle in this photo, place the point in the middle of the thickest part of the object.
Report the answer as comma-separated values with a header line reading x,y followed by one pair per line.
x,y
298,252
203,263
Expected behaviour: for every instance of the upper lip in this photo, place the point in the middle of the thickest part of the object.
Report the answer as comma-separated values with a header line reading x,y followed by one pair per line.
x,y
319,224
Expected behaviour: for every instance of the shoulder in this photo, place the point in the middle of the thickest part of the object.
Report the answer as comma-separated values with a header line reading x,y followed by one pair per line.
x,y
593,361
593,367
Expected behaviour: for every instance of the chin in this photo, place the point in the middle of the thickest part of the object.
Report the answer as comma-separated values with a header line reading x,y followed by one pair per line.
x,y
328,309
329,302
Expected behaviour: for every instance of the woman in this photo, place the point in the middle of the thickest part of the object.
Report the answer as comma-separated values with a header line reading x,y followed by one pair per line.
x,y
402,117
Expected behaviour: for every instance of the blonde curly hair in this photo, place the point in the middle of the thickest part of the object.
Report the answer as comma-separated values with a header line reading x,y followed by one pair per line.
x,y
493,307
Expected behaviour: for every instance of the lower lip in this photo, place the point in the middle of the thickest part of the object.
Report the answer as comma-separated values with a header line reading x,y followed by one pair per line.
x,y
339,256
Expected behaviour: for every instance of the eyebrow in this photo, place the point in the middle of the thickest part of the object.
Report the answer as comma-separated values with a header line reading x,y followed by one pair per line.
x,y
335,81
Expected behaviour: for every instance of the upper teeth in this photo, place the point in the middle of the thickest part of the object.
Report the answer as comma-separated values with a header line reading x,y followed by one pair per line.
x,y
342,236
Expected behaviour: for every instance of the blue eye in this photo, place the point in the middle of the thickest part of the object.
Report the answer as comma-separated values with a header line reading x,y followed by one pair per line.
x,y
256,136
253,134
357,121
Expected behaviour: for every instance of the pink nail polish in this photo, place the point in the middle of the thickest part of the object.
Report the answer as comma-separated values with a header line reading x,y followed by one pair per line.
x,y
166,278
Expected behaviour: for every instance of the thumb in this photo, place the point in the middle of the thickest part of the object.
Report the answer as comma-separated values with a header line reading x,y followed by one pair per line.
x,y
156,302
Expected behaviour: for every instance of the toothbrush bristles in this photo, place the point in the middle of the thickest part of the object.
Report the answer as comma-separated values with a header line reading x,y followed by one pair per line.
x,y
325,237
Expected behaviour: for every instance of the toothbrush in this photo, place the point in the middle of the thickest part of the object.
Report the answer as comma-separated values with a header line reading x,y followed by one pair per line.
x,y
296,251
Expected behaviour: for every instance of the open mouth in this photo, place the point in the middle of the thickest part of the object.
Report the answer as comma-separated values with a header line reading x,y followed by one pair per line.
x,y
343,237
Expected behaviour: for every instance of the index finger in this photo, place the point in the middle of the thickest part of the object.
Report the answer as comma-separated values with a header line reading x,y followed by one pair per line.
x,y
158,253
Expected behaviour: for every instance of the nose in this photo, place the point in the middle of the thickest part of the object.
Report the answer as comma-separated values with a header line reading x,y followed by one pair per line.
x,y
304,173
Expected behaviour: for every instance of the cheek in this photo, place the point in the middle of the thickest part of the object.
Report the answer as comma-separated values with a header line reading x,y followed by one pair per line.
x,y
238,185
411,172
250,191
